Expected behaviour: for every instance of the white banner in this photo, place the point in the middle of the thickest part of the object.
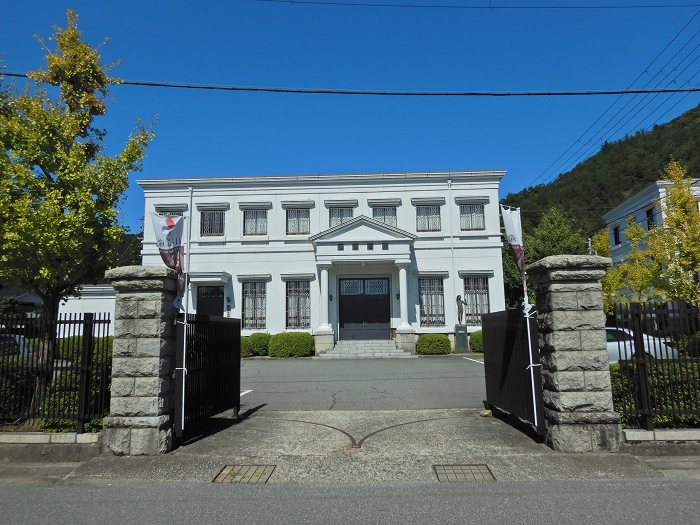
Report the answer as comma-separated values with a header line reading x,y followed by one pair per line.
x,y
170,241
514,233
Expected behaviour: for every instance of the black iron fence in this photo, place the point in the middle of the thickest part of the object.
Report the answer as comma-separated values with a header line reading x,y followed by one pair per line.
x,y
208,372
654,351
511,363
55,373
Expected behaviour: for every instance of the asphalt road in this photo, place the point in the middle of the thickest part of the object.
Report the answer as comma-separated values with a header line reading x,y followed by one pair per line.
x,y
576,502
363,384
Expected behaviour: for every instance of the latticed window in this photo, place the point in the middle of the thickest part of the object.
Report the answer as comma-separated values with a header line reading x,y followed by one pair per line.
x,y
298,221
338,216
471,217
476,297
212,223
298,304
386,214
428,218
254,222
432,301
254,304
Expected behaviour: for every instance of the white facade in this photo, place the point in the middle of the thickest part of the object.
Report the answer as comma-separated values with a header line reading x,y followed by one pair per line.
x,y
645,208
293,249
91,298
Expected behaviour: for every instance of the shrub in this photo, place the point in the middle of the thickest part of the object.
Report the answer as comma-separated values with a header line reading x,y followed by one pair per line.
x,y
292,344
476,341
670,383
433,344
17,383
690,345
255,344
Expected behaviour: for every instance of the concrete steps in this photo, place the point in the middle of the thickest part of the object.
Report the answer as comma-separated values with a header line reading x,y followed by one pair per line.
x,y
365,350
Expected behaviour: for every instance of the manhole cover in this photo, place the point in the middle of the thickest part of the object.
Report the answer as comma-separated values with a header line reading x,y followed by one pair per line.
x,y
245,474
478,472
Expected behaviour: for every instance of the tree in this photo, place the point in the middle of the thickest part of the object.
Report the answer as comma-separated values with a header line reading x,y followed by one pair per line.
x,y
674,245
614,276
555,234
59,190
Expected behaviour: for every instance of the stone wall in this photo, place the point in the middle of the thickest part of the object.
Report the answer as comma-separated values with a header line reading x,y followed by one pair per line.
x,y
140,420
575,372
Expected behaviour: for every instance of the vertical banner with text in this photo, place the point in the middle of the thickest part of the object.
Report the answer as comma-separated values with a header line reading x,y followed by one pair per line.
x,y
170,241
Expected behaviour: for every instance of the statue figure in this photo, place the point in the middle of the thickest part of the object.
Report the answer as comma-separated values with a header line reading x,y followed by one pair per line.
x,y
460,309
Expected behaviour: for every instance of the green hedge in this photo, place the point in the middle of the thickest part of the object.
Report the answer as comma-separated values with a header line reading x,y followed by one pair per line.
x,y
71,348
476,341
255,344
671,384
433,344
292,344
17,383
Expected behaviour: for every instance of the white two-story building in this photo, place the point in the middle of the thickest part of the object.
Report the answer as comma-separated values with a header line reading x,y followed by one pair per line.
x,y
372,256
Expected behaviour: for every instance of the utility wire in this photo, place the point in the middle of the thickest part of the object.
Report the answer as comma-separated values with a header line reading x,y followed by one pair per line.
x,y
322,91
327,3
543,176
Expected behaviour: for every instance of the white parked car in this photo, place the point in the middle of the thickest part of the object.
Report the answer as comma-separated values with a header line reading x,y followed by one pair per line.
x,y
620,343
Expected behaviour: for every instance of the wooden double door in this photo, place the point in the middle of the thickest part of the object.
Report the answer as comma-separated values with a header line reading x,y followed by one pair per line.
x,y
364,308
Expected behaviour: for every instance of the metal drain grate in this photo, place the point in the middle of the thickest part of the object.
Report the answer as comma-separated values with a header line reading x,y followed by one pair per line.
x,y
245,474
450,473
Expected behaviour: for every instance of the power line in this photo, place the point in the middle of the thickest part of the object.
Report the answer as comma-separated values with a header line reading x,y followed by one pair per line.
x,y
322,91
403,5
543,176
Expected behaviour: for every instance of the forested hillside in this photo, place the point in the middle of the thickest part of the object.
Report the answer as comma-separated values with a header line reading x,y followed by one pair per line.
x,y
616,172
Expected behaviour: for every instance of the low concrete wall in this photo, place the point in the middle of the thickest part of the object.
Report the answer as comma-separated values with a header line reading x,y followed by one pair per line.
x,y
40,446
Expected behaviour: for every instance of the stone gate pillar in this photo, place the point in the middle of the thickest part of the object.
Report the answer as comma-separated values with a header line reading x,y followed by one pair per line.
x,y
579,413
140,421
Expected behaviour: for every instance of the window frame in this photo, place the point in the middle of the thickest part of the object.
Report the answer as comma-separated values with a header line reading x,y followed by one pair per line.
x,y
432,314
252,290
430,218
379,214
298,219
259,219
476,298
470,213
220,215
299,301
345,214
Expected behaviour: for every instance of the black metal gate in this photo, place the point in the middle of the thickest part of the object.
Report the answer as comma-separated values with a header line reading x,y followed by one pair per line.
x,y
208,371
512,367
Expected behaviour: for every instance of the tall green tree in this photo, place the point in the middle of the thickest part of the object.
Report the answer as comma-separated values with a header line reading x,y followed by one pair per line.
x,y
59,190
555,234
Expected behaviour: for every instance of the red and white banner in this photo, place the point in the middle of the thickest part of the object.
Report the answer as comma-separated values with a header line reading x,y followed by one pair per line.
x,y
170,241
514,233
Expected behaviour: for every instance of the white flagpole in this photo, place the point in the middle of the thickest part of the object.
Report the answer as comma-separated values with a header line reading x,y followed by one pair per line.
x,y
187,307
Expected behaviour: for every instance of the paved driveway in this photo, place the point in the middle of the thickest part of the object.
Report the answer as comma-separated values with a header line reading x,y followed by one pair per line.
x,y
363,384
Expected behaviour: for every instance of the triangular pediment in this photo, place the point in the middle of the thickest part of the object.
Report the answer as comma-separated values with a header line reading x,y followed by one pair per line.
x,y
363,229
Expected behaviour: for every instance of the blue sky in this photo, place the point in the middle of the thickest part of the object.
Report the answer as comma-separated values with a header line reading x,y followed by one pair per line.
x,y
244,42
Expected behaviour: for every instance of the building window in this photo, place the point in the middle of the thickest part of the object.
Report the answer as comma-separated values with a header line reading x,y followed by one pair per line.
x,y
428,218
254,304
298,304
355,247
338,216
341,247
254,222
211,223
432,301
370,247
476,297
386,214
616,236
385,246
298,221
471,217
650,218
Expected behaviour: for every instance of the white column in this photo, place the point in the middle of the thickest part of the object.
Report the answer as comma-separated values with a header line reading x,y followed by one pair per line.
x,y
324,326
403,297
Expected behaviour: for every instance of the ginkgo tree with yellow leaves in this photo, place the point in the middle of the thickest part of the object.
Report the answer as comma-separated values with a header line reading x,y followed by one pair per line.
x,y
59,190
664,262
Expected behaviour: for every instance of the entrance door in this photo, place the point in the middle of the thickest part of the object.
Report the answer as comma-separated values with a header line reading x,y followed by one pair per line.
x,y
364,309
210,300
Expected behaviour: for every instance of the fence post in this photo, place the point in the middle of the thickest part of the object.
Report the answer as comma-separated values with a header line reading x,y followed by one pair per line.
x,y
85,370
641,360
143,361
579,415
